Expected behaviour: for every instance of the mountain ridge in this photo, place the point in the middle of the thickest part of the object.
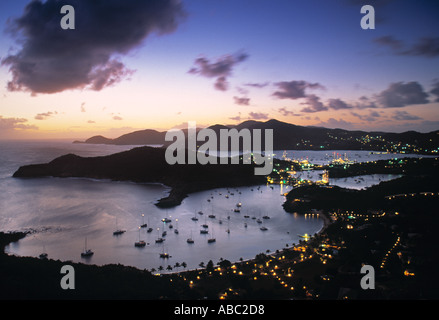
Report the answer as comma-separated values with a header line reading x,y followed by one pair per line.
x,y
288,136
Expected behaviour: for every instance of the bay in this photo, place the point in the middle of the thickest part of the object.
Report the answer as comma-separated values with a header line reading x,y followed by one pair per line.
x,y
61,213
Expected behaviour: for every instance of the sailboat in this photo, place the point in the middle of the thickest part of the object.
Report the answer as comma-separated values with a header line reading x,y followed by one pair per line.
x,y
159,240
190,240
118,231
143,225
139,243
212,239
43,255
164,255
176,228
87,252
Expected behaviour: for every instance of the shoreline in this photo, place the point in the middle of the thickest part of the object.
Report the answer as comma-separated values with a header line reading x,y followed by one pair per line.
x,y
18,235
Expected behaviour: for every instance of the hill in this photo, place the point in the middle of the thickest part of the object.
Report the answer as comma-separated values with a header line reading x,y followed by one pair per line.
x,y
289,136
147,164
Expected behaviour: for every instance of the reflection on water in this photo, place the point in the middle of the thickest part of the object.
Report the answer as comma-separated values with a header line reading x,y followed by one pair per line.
x,y
63,213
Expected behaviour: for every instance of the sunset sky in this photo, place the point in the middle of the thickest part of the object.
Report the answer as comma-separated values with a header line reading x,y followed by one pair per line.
x,y
137,64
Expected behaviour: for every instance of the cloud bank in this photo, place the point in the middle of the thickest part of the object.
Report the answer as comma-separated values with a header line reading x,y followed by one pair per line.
x,y
52,60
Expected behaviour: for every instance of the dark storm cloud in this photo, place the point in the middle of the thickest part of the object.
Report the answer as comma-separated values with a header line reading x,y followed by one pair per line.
x,y
402,94
52,59
220,69
294,89
427,46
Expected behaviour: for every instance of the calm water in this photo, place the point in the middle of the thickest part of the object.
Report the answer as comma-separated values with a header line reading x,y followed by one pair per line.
x,y
63,213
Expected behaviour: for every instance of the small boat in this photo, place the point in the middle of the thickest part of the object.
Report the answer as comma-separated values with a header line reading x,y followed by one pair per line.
x,y
118,231
87,252
265,217
163,254
43,256
166,220
203,231
143,225
246,216
190,240
140,243
211,240
245,225
176,226
159,240
194,218
149,230
259,221
239,204
263,228
200,213
212,216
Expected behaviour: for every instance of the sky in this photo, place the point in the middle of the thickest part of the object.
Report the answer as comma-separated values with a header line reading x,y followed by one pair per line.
x,y
136,64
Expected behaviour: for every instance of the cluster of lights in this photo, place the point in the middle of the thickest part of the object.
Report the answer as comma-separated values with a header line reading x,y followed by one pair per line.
x,y
384,261
411,194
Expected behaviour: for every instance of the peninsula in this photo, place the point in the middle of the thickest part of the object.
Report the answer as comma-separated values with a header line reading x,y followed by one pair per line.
x,y
147,165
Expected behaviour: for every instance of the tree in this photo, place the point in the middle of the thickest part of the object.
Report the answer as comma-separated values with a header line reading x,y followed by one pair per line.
x,y
209,267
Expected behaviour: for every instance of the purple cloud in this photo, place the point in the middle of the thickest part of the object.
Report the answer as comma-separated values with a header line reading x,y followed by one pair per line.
x,y
243,101
53,60
402,94
294,89
221,68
